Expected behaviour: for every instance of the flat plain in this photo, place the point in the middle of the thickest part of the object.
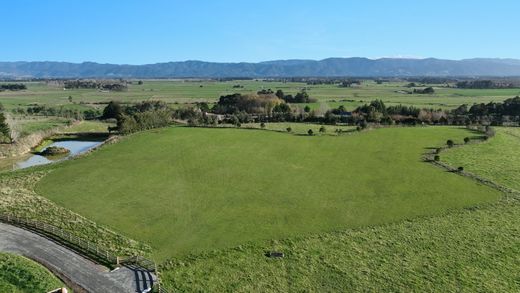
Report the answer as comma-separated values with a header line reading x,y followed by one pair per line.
x,y
190,91
189,190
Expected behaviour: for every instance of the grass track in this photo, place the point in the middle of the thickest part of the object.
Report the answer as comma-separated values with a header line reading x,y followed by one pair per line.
x,y
187,190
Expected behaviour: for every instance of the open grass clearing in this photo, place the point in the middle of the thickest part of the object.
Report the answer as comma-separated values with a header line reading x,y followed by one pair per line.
x,y
187,190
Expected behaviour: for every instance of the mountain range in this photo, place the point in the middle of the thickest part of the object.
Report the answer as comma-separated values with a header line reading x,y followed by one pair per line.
x,y
331,67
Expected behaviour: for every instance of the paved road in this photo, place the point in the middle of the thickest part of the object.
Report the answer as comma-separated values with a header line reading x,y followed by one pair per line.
x,y
81,271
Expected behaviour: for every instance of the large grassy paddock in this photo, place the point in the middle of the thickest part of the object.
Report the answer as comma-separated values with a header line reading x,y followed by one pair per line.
x,y
186,190
496,159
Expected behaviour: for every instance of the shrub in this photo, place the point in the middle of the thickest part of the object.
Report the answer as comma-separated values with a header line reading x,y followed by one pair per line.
x,y
289,129
438,150
310,132
323,129
437,158
490,132
466,140
460,169
54,151
450,143
262,125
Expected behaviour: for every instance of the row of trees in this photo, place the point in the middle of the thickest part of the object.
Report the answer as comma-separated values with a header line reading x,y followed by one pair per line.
x,y
13,87
237,109
507,112
60,111
109,85
485,84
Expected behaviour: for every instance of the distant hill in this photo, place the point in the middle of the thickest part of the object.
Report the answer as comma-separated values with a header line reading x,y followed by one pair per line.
x,y
354,67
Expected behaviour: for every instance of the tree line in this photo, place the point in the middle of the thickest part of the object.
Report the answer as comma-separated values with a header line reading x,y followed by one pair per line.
x,y
485,84
109,85
12,87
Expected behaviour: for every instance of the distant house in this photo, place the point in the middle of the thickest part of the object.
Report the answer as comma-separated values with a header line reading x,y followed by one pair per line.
x,y
219,117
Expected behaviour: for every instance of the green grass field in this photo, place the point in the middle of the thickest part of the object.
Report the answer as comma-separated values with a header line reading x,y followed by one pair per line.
x,y
473,250
178,91
496,159
19,274
188,190
299,128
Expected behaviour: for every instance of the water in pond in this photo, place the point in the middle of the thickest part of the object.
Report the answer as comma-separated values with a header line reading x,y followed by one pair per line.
x,y
75,146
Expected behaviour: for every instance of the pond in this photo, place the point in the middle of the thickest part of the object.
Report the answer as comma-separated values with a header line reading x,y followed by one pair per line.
x,y
76,147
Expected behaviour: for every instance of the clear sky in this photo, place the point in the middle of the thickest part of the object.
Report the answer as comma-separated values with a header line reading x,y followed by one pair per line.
x,y
149,31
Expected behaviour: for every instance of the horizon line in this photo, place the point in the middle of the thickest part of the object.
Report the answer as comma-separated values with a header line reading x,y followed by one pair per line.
x,y
265,61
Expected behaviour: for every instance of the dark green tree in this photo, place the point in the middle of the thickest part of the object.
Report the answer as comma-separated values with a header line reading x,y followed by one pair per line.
x,y
280,94
5,132
112,110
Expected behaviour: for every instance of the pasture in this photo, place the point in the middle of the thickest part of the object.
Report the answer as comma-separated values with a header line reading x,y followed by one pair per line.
x,y
496,159
470,250
191,190
190,91
474,250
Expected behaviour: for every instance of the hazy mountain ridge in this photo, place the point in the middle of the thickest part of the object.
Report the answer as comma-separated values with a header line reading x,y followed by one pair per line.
x,y
357,66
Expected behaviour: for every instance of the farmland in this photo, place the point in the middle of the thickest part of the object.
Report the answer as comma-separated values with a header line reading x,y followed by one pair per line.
x,y
190,91
471,250
345,207
496,159
192,190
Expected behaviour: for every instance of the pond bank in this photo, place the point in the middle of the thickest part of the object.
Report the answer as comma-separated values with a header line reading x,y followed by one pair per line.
x,y
76,143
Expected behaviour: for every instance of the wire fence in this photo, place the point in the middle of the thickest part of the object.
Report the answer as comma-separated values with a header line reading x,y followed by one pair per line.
x,y
85,247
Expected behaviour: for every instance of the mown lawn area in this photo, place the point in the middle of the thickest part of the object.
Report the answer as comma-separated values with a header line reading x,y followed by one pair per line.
x,y
496,159
186,190
19,274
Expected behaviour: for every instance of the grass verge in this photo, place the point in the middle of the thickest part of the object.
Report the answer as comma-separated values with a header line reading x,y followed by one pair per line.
x,y
20,274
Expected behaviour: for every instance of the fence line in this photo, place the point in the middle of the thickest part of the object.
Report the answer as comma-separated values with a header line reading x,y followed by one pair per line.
x,y
85,247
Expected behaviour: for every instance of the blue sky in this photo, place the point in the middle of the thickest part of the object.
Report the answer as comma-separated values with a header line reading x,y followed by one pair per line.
x,y
149,31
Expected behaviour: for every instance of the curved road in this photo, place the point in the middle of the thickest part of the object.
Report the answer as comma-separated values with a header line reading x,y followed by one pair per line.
x,y
66,263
